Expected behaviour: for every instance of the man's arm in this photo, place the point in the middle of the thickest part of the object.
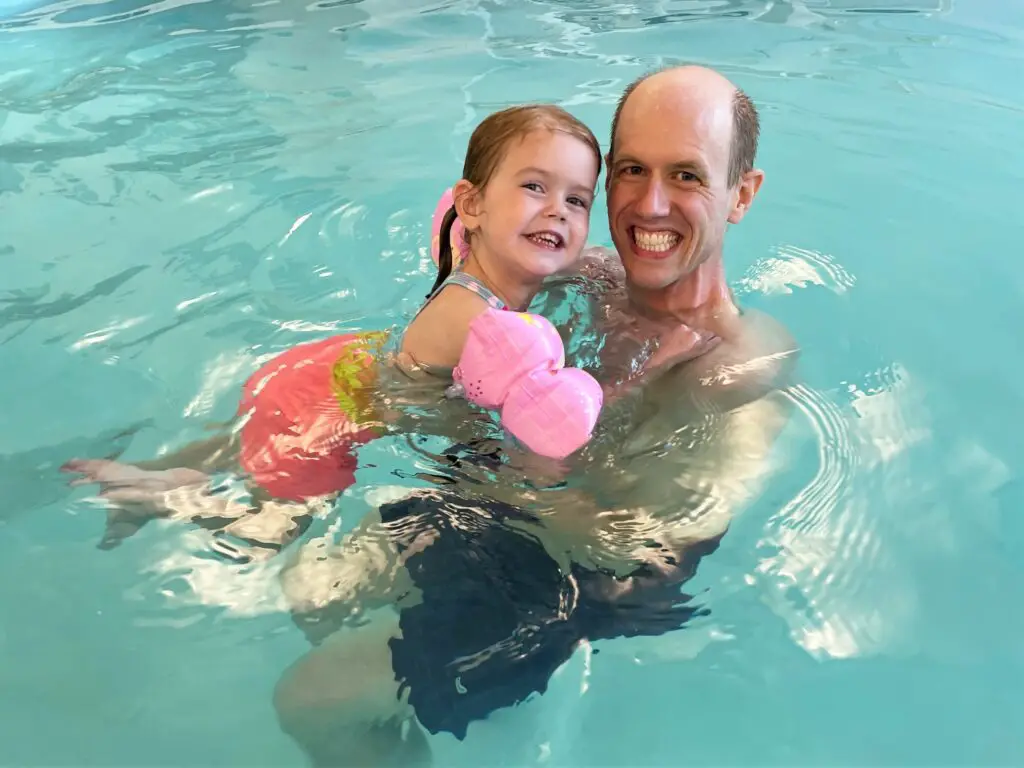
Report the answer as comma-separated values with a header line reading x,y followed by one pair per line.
x,y
759,358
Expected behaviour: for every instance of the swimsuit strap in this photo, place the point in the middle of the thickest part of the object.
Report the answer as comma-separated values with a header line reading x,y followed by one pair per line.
x,y
476,286
470,283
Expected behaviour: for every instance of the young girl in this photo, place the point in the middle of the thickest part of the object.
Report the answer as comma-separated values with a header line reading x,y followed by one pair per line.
x,y
523,204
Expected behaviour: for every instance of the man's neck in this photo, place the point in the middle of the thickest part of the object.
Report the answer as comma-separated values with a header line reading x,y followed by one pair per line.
x,y
700,295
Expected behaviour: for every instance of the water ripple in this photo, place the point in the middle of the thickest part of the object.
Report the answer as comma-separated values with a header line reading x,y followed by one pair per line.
x,y
815,536
76,13
794,267
186,581
830,568
29,307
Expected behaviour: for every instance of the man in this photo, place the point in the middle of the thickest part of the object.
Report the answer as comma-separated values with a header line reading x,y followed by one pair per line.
x,y
680,170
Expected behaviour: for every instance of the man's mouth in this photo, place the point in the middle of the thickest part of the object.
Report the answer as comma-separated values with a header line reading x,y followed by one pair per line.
x,y
552,241
654,242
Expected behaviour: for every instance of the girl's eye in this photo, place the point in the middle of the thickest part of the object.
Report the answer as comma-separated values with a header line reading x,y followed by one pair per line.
x,y
533,186
578,201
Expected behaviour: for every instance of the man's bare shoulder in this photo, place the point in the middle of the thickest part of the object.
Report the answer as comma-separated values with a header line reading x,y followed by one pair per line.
x,y
597,262
601,262
764,335
762,356
758,357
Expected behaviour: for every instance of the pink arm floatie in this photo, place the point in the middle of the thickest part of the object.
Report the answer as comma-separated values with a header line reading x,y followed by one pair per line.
x,y
514,362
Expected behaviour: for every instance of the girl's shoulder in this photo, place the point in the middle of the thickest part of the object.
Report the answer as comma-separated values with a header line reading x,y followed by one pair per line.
x,y
436,336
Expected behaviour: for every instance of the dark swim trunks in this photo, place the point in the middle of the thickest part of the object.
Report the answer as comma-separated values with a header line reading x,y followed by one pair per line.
x,y
498,616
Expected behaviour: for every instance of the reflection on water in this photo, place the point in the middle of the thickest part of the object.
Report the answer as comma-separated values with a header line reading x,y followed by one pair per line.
x,y
838,558
51,16
793,267
597,16
819,531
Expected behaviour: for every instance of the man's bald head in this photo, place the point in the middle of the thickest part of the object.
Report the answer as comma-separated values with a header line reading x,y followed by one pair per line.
x,y
705,84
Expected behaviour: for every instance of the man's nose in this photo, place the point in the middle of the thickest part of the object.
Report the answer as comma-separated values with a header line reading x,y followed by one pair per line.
x,y
654,202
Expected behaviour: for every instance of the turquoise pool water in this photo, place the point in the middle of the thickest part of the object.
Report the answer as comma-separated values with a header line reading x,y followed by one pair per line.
x,y
186,187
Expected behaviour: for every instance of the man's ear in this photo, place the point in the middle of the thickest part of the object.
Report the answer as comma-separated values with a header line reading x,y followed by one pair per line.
x,y
467,204
745,194
607,171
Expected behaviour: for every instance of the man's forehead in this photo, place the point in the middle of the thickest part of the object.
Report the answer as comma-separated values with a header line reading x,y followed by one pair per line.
x,y
675,115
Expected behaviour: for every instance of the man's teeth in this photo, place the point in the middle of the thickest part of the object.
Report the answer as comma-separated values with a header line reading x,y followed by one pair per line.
x,y
552,240
655,241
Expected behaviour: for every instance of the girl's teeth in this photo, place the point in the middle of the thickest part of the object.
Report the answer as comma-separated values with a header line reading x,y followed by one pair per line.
x,y
545,240
655,241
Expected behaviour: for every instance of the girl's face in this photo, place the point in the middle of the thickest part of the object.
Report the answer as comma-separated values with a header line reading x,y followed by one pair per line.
x,y
533,217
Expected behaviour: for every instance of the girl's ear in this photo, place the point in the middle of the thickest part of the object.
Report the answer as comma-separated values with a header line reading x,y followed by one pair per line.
x,y
467,204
